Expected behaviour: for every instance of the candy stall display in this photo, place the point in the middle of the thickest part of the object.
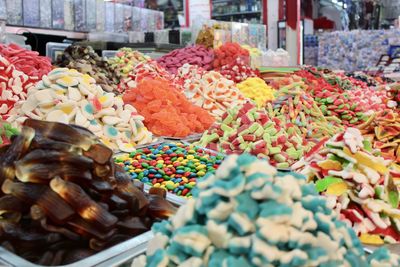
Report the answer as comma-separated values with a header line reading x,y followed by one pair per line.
x,y
94,151
359,185
208,89
247,129
250,214
175,167
85,60
63,199
166,110
67,96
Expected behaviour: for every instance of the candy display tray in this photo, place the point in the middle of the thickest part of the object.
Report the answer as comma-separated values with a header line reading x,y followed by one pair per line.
x,y
111,257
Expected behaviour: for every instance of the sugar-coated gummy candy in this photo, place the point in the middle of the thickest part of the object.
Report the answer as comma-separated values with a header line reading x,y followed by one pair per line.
x,y
247,129
175,167
247,215
67,96
166,110
256,89
85,60
358,184
194,55
26,61
209,89
228,53
14,85
238,70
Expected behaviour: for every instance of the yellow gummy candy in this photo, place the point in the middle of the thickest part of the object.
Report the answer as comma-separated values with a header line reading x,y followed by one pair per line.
x,y
363,159
330,165
371,239
103,99
337,189
67,109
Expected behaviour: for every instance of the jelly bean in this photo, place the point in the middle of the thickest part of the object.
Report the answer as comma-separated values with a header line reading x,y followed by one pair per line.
x,y
191,163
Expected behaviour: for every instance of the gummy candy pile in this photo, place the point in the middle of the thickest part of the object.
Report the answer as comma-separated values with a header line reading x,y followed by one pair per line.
x,y
209,89
166,110
294,105
196,55
383,131
358,184
247,129
26,61
14,86
125,60
247,215
256,89
68,96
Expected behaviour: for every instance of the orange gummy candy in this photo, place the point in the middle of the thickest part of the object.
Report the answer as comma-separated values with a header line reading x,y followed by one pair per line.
x,y
166,110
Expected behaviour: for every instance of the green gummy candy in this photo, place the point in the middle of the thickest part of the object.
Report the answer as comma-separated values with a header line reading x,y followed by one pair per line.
x,y
323,184
282,165
226,128
228,119
275,150
279,158
329,100
367,145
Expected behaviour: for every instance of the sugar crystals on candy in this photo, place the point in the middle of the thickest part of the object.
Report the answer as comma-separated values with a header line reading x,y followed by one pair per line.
x,y
166,110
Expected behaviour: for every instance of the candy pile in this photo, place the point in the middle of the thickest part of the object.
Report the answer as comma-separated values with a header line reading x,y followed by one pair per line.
x,y
125,60
6,132
383,131
257,90
194,55
85,60
148,69
294,105
238,71
13,86
247,215
175,167
228,53
353,107
358,185
68,96
166,110
344,82
209,89
247,129
29,62
63,199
